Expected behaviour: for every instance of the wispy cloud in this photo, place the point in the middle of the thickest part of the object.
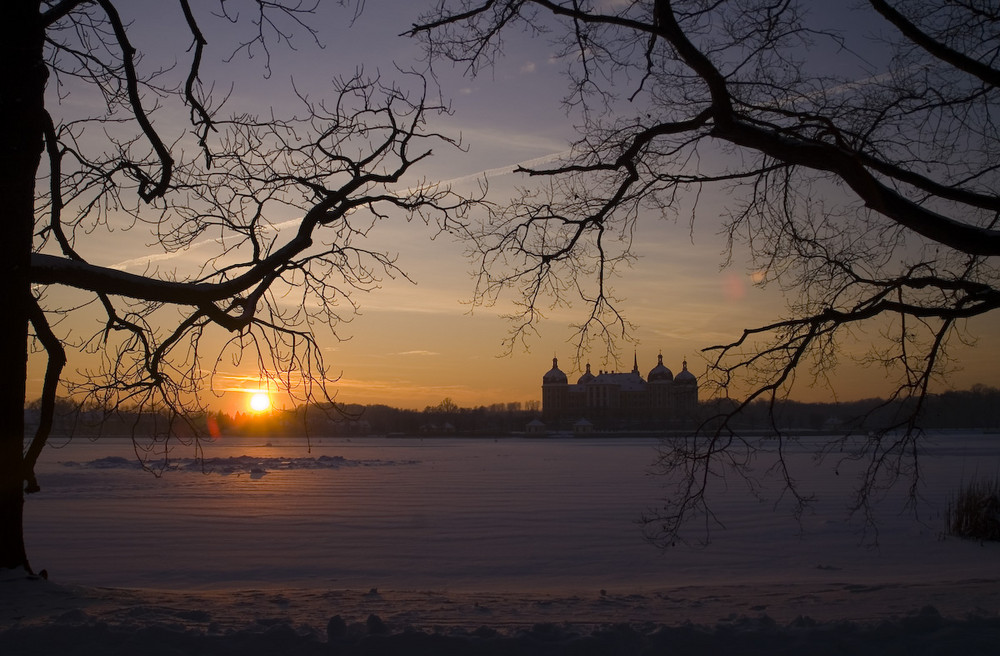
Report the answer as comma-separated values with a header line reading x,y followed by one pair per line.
x,y
508,170
146,260
397,388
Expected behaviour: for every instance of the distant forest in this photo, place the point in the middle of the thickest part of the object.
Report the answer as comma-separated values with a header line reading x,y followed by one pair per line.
x,y
974,409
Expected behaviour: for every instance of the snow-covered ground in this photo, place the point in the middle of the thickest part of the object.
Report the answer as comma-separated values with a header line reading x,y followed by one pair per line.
x,y
481,546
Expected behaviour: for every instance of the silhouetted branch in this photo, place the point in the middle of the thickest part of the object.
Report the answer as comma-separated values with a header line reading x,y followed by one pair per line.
x,y
284,205
868,196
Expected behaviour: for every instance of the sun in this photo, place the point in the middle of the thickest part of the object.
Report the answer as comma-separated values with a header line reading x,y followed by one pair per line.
x,y
260,402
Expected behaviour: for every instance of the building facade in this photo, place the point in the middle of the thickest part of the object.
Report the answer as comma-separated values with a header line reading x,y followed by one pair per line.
x,y
614,400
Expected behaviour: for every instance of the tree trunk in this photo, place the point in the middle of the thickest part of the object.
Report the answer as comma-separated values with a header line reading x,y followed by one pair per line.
x,y
22,106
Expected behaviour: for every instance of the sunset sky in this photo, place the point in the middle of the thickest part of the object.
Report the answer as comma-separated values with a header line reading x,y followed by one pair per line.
x,y
416,343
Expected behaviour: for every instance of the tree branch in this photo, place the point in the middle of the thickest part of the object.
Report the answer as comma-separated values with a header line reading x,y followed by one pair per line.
x,y
962,62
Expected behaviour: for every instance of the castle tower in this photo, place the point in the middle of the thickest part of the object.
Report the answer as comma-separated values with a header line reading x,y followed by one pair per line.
x,y
685,393
661,388
555,393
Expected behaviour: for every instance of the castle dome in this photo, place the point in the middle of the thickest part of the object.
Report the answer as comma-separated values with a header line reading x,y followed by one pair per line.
x,y
686,377
586,377
554,376
659,372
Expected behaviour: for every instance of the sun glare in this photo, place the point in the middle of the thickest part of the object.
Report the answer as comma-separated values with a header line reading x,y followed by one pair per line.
x,y
260,402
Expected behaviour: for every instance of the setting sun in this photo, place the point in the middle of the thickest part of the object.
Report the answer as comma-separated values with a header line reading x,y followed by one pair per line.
x,y
260,401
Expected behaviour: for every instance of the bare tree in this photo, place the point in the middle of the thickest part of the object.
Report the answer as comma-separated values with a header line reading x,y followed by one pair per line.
x,y
861,164
277,209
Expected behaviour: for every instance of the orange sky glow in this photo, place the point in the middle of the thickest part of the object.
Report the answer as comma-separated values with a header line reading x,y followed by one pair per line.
x,y
416,343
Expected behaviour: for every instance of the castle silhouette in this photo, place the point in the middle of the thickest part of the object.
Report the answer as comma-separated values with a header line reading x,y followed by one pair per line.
x,y
611,400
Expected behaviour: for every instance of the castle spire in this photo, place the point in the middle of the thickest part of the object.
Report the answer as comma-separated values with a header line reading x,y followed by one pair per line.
x,y
635,362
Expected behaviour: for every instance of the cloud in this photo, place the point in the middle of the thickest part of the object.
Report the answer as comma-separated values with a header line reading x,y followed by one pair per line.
x,y
398,388
418,353
528,67
146,260
508,170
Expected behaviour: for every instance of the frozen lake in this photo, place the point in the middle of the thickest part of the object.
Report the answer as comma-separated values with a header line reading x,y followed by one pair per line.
x,y
505,515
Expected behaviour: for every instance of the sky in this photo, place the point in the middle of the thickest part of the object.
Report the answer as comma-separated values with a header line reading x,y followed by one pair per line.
x,y
418,341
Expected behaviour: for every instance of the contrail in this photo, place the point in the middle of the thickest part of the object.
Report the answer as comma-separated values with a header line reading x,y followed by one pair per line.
x,y
508,170
488,173
146,260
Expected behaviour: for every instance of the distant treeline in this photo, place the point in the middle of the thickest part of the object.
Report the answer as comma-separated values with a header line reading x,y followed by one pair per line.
x,y
318,420
974,409
354,419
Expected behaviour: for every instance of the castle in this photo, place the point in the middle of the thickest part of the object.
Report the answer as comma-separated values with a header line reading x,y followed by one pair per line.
x,y
612,400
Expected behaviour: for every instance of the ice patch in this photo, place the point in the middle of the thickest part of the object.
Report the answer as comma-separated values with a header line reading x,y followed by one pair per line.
x,y
253,465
